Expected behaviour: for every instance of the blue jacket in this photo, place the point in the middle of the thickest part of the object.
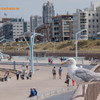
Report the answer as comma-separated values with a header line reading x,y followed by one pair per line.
x,y
32,92
35,92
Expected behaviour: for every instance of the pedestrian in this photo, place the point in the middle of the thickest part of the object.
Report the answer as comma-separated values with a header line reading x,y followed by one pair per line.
x,y
60,72
30,74
49,60
32,93
73,82
17,75
61,59
54,72
27,66
26,74
35,91
22,74
67,79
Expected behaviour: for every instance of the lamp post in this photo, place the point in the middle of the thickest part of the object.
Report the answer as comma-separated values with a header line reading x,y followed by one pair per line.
x,y
76,42
31,47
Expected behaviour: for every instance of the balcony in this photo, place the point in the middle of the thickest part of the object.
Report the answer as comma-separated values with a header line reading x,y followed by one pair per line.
x,y
57,25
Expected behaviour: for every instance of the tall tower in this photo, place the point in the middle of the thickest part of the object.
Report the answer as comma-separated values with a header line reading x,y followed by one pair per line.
x,y
48,12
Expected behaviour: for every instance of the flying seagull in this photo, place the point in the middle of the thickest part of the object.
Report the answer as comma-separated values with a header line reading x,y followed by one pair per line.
x,y
81,75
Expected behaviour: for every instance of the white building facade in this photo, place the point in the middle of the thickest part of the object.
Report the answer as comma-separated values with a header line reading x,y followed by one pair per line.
x,y
88,19
19,27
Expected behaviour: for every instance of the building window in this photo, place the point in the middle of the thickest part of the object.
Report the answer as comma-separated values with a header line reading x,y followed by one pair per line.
x,y
89,20
93,20
97,26
93,26
66,23
93,14
97,14
97,20
66,28
89,14
89,26
93,32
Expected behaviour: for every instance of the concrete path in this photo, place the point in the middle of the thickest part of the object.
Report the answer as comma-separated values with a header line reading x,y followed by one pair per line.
x,y
64,96
42,80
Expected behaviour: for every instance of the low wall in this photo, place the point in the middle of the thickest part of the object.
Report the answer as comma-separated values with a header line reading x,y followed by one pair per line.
x,y
93,90
59,54
52,93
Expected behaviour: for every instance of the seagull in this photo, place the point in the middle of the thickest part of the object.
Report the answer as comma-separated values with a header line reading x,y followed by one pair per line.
x,y
81,75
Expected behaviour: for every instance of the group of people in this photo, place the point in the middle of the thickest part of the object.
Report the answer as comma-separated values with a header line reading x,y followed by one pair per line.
x,y
24,74
33,92
68,79
50,61
60,74
54,72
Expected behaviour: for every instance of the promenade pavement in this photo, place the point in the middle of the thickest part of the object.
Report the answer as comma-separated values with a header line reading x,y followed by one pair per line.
x,y
42,80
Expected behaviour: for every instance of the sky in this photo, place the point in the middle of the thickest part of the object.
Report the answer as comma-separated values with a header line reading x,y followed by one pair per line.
x,y
34,7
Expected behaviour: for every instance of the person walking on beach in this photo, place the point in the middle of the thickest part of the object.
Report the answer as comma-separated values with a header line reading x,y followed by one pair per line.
x,y
30,74
67,79
49,60
60,72
17,75
54,72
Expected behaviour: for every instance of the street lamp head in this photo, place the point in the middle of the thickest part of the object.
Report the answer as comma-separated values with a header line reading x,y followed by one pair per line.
x,y
98,33
39,34
27,34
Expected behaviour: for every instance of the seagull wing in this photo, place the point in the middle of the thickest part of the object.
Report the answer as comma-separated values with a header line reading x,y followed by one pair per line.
x,y
87,75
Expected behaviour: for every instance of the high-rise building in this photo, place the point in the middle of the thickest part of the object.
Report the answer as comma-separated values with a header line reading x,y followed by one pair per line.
x,y
62,27
48,12
35,21
88,19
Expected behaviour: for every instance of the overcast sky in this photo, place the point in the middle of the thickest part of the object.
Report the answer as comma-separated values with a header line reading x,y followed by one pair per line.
x,y
34,7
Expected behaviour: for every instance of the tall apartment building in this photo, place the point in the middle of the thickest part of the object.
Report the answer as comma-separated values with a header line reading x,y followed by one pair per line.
x,y
48,12
35,21
7,29
44,29
62,27
2,21
88,19
17,27
14,28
